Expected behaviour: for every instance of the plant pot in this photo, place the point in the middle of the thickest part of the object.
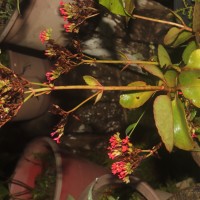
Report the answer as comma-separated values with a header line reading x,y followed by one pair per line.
x,y
106,182
24,29
73,174
32,69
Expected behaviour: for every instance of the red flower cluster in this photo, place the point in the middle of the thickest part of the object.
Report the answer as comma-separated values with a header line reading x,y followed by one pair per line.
x,y
45,35
52,75
67,11
126,156
118,147
123,170
76,13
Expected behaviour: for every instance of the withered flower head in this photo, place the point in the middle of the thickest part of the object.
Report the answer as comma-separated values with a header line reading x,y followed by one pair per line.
x,y
65,59
11,94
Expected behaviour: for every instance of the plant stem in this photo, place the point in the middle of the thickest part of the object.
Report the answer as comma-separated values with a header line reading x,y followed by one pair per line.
x,y
163,22
120,62
102,88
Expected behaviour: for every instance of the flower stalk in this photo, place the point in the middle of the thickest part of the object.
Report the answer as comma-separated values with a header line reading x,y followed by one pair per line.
x,y
101,88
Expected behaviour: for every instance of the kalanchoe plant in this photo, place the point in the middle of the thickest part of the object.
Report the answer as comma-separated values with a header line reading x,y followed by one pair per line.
x,y
175,93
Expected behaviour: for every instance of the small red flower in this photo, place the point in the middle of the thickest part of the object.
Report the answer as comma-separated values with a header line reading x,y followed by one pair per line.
x,y
124,148
69,27
59,133
61,3
49,76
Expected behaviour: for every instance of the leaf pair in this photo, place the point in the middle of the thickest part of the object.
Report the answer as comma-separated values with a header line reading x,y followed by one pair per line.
x,y
171,122
176,36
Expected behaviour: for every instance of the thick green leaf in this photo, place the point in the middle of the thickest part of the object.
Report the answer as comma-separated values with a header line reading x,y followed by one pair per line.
x,y
91,80
153,69
135,99
163,57
189,83
188,50
182,37
182,137
163,116
114,6
171,35
170,77
194,60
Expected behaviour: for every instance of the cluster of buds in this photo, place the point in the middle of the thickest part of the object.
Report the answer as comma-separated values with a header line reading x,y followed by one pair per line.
x,y
76,13
125,156
45,35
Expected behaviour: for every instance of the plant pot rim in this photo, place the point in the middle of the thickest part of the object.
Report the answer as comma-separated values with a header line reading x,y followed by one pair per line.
x,y
108,179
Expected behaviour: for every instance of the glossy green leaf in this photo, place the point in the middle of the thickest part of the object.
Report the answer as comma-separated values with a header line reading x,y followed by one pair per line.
x,y
171,35
182,37
135,99
170,77
194,60
114,6
91,80
163,57
189,83
182,137
154,70
163,116
188,50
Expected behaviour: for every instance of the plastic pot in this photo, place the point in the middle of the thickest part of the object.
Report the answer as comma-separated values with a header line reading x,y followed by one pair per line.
x,y
73,174
23,29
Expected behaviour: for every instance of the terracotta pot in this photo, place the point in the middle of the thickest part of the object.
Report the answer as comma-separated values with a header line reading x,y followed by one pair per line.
x,y
33,69
73,174
105,181
23,29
